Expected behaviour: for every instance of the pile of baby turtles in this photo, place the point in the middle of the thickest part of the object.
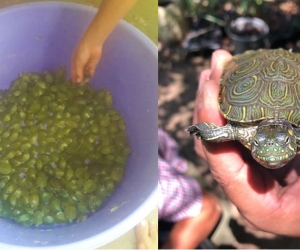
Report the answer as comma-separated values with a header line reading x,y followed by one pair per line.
x,y
63,149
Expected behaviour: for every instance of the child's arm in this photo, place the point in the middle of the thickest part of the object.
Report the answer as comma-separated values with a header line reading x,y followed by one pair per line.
x,y
89,50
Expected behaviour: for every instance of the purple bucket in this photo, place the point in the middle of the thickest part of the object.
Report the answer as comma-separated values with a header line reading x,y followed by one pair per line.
x,y
42,36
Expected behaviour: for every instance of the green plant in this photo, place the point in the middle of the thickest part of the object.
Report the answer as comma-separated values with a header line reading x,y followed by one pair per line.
x,y
174,19
196,8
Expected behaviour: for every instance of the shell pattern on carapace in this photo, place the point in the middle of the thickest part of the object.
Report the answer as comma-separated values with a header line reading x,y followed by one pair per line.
x,y
262,84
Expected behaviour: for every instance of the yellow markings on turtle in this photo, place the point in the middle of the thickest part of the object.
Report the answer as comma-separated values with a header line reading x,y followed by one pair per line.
x,y
282,151
244,114
290,147
270,92
272,66
239,70
286,156
229,109
221,97
272,159
288,68
255,79
290,115
290,132
262,112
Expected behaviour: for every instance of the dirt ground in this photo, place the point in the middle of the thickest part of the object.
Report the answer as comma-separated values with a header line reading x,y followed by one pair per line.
x,y
178,81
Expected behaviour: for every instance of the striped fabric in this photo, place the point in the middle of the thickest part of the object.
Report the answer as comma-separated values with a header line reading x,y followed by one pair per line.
x,y
180,196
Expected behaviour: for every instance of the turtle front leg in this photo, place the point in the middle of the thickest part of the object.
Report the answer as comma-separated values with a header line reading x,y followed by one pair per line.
x,y
229,132
212,132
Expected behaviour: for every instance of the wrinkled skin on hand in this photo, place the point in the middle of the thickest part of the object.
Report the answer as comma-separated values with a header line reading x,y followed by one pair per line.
x,y
267,199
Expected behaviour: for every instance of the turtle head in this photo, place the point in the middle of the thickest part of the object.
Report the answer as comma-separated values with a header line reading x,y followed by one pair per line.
x,y
274,143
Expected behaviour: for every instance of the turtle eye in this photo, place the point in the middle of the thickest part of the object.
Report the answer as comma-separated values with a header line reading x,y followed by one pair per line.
x,y
287,140
256,143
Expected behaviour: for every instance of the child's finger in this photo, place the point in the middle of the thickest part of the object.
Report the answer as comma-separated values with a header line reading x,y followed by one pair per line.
x,y
77,69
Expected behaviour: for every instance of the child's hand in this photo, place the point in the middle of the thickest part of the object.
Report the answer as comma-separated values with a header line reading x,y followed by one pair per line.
x,y
89,50
84,61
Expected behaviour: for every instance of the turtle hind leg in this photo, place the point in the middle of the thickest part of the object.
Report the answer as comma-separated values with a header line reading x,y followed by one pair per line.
x,y
212,132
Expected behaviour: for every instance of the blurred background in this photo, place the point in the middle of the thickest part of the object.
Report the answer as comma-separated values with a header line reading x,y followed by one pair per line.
x,y
188,33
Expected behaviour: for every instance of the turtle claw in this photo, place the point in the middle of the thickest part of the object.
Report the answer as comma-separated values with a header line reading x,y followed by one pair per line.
x,y
194,130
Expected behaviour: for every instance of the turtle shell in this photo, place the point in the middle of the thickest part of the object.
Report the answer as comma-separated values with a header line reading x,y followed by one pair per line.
x,y
262,84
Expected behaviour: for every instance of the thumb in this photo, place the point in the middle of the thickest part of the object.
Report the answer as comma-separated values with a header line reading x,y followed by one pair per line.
x,y
224,158
218,61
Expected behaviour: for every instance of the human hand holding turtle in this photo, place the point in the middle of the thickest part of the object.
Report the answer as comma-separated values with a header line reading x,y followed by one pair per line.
x,y
267,198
